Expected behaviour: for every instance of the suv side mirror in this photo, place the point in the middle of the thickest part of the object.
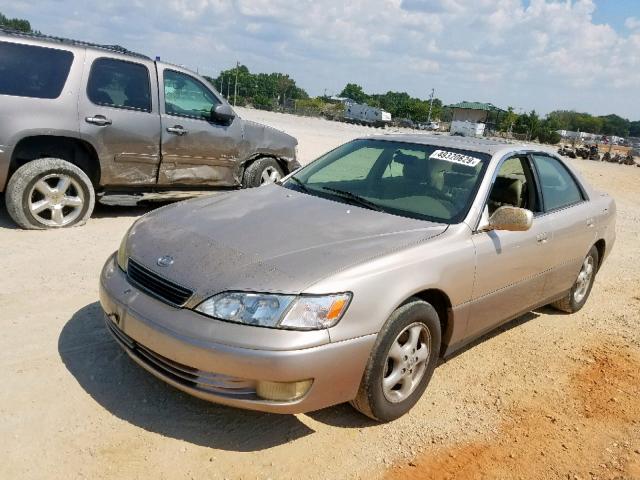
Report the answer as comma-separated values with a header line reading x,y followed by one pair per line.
x,y
511,218
222,113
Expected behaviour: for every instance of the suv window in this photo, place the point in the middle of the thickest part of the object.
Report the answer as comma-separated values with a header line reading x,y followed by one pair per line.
x,y
120,84
29,71
559,189
187,97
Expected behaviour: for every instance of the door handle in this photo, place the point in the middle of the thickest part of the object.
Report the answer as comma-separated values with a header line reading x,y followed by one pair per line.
x,y
177,129
590,222
99,120
542,237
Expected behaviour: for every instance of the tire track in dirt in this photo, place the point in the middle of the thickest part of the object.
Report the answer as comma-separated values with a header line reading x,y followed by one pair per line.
x,y
589,429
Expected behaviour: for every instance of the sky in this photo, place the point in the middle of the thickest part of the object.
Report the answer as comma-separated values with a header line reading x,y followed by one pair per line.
x,y
529,54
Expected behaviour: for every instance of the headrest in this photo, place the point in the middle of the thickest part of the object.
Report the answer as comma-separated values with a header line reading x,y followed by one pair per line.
x,y
507,190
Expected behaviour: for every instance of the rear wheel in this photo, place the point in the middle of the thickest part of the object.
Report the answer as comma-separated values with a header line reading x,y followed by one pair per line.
x,y
49,193
401,363
262,172
579,293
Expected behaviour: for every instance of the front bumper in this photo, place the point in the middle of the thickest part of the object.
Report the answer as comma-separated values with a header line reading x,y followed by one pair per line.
x,y
223,372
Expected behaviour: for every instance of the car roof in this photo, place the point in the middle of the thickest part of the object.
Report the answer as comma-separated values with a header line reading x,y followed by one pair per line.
x,y
481,145
51,40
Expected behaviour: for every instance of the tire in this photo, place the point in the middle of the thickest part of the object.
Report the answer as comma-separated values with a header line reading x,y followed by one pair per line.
x,y
376,401
579,293
38,185
262,171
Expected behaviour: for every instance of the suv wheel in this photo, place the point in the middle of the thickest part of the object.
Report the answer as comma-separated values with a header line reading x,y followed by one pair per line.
x,y
49,193
401,363
262,172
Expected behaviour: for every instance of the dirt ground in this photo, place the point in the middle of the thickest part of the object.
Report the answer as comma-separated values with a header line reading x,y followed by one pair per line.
x,y
548,396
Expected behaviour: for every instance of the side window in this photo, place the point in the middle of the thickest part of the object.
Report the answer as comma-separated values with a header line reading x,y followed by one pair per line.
x,y
36,72
187,97
120,84
514,186
559,189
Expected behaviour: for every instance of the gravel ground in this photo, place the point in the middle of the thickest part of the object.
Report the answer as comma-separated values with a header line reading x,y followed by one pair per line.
x,y
547,396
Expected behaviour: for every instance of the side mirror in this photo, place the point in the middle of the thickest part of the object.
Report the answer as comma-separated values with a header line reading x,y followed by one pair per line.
x,y
511,218
222,113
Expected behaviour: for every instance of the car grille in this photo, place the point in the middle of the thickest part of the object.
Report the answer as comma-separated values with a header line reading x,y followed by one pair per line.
x,y
187,376
157,286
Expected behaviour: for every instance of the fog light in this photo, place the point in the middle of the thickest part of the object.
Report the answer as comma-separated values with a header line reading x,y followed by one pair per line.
x,y
283,391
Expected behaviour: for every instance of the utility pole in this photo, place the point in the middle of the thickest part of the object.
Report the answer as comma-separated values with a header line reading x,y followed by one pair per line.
x,y
235,87
430,105
221,84
228,83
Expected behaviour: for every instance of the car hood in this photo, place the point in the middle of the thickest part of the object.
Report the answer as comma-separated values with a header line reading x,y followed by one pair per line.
x,y
266,239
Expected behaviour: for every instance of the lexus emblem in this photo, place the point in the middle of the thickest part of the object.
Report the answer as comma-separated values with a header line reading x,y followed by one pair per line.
x,y
165,261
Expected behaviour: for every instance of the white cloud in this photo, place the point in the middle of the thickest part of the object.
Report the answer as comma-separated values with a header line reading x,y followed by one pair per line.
x,y
542,55
632,23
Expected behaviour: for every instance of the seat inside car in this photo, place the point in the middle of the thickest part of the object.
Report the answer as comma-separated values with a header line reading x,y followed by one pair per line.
x,y
507,190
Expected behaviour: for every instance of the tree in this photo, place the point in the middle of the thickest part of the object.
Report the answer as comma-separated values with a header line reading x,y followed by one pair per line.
x,y
354,92
16,24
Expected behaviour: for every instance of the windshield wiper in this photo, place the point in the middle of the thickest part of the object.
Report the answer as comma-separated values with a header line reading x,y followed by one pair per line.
x,y
363,202
302,186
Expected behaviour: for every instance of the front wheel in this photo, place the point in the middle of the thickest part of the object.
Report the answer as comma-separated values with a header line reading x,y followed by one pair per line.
x,y
262,172
401,363
49,193
579,293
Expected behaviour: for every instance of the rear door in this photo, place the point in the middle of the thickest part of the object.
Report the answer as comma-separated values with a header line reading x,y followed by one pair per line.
x,y
511,267
195,149
119,117
565,204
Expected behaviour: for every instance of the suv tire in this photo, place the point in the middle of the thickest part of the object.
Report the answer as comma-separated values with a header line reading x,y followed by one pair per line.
x,y
261,172
395,356
49,193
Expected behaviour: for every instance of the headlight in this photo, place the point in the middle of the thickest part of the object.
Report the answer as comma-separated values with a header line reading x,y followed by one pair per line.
x,y
277,311
123,254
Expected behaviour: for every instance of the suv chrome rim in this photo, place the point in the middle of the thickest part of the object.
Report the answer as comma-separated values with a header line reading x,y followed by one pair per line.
x,y
406,362
270,175
584,279
56,200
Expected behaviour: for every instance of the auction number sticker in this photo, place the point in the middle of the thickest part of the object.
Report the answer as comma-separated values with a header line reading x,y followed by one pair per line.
x,y
455,158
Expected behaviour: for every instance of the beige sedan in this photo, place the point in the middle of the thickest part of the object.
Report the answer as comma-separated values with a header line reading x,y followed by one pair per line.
x,y
349,279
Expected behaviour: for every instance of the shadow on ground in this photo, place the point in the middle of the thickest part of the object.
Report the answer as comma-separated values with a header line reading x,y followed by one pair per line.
x,y
113,380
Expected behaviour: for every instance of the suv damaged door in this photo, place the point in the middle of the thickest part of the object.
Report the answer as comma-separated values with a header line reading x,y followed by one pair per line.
x,y
119,116
196,148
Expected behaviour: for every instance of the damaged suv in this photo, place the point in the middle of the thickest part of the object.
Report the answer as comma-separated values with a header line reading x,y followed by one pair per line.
x,y
80,120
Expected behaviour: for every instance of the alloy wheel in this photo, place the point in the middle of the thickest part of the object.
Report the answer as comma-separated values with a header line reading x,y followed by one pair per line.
x,y
56,200
406,362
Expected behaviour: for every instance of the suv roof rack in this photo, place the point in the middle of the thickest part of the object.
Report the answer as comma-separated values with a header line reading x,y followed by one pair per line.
x,y
69,41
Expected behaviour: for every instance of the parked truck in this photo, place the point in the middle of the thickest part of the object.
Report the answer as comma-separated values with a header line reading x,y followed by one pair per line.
x,y
80,121
467,129
364,114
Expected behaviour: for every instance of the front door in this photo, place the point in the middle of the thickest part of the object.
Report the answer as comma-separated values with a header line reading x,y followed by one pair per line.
x,y
196,150
119,117
511,267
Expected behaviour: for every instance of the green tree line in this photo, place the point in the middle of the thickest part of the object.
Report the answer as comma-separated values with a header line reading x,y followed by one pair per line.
x,y
16,24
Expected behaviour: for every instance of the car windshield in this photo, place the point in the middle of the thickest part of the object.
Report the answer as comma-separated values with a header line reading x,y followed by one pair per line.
x,y
418,181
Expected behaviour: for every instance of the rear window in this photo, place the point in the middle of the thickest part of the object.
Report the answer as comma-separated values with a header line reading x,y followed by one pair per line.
x,y
29,71
120,84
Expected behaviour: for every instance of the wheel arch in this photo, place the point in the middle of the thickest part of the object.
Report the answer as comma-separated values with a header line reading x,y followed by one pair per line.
x,y
601,246
74,150
440,301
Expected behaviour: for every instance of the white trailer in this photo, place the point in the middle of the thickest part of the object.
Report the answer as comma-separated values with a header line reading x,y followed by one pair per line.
x,y
364,114
467,129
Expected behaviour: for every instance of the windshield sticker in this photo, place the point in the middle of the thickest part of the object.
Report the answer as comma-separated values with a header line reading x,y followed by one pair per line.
x,y
455,158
